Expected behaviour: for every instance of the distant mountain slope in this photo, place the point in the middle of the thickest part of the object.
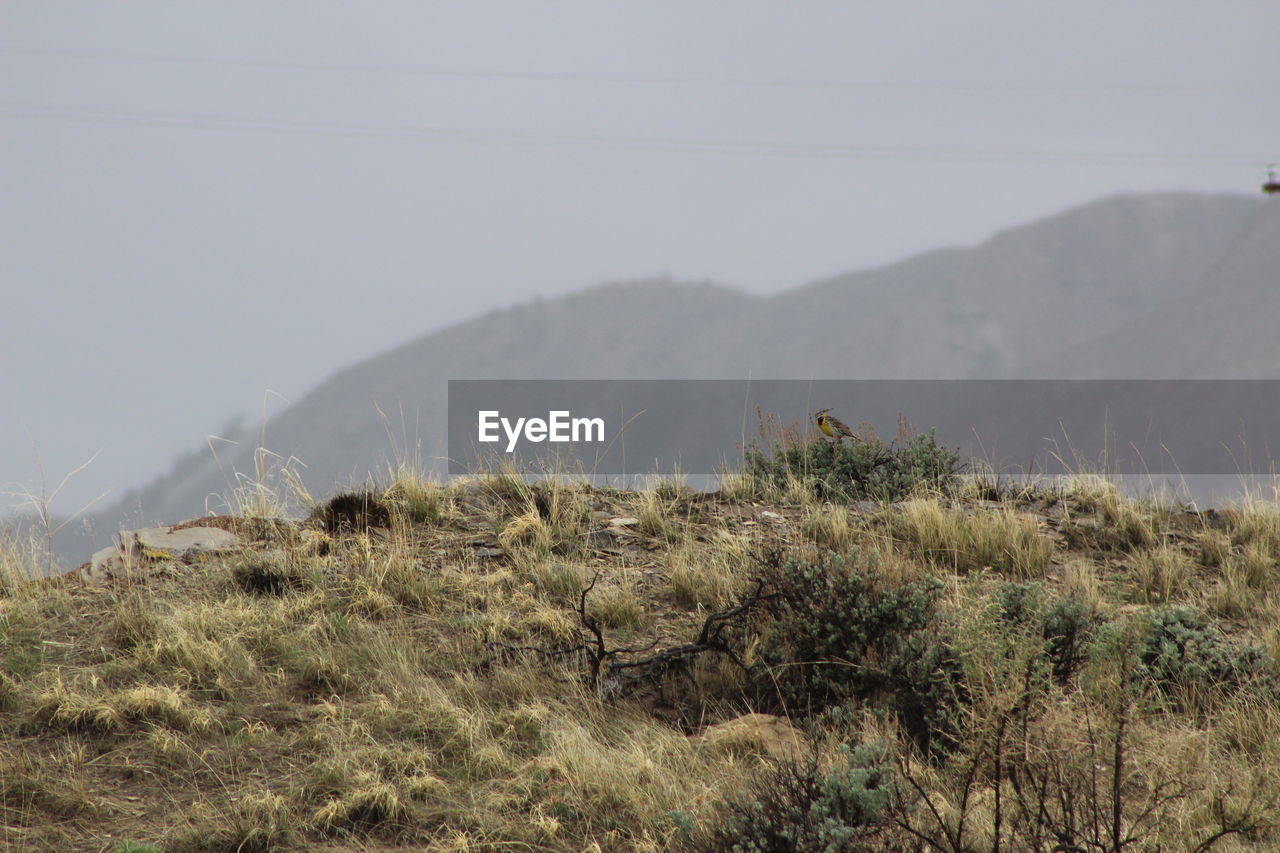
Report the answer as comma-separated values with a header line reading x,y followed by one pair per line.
x,y
1132,285
996,308
1222,327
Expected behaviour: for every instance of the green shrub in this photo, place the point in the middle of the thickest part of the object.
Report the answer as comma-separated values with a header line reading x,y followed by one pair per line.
x,y
1021,603
1181,650
837,632
1067,624
1070,628
799,808
856,470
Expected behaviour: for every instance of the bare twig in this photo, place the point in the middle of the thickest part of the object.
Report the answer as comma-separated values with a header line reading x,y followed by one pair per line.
x,y
41,504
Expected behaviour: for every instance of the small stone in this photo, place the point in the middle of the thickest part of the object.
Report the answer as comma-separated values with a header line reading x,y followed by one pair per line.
x,y
489,553
105,562
603,538
772,516
624,521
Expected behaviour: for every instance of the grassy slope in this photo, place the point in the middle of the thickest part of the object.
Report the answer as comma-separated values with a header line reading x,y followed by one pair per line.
x,y
369,691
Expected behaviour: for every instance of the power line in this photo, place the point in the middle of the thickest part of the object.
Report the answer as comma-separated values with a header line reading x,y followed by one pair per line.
x,y
527,138
664,80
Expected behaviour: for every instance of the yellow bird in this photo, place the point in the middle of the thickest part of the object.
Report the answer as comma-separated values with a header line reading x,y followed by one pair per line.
x,y
833,427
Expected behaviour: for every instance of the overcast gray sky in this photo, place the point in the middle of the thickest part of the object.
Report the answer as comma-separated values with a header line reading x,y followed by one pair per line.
x,y
208,205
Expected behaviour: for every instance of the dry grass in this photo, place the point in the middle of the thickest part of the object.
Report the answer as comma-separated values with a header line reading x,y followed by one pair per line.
x,y
21,561
1258,523
1130,527
709,575
797,489
830,526
273,490
659,512
1080,579
620,605
1242,554
418,501
1214,548
962,541
737,486
401,688
1161,574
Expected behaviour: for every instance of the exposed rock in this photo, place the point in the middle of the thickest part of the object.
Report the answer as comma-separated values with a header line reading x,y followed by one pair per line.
x,y
106,561
150,545
187,543
624,521
603,538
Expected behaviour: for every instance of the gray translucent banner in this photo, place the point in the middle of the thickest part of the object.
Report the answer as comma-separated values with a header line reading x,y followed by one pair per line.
x,y
699,427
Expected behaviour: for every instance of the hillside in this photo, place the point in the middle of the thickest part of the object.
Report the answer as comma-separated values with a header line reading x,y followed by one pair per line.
x,y
1219,328
489,666
997,309
1121,287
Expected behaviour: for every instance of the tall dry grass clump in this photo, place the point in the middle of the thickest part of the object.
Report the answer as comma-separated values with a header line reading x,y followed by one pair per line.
x,y
959,540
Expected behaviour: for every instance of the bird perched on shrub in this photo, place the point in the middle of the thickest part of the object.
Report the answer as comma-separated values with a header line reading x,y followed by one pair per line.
x,y
833,427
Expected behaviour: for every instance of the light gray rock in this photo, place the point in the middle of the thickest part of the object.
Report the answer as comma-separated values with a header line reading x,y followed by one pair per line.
x,y
135,548
105,562
159,542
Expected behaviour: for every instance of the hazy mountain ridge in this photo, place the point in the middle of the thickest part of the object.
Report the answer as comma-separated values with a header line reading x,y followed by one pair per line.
x,y
1223,326
1088,292
996,308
